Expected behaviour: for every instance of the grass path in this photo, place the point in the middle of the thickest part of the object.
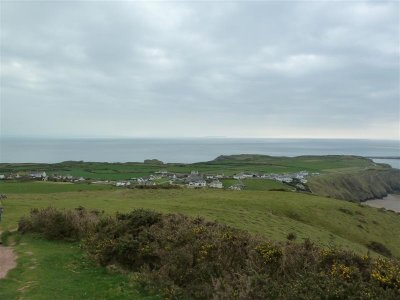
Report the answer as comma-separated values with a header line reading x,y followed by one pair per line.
x,y
7,260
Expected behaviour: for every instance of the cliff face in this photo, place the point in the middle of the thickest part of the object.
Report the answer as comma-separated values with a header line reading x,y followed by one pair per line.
x,y
357,186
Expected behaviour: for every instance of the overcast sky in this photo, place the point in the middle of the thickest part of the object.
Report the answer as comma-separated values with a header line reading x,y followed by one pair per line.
x,y
194,69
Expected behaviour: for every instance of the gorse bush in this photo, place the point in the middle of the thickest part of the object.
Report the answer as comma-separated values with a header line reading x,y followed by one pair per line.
x,y
56,224
186,258
121,240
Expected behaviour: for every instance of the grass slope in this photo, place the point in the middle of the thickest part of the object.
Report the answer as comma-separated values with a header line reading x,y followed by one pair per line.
x,y
272,214
59,270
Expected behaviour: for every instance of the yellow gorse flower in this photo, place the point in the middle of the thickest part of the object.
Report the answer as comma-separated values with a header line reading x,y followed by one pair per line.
x,y
387,273
269,252
341,270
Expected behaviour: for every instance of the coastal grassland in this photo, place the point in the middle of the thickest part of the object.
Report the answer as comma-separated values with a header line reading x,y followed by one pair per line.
x,y
270,214
42,187
227,165
59,270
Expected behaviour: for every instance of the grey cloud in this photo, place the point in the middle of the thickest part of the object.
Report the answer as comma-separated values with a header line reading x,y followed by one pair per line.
x,y
199,69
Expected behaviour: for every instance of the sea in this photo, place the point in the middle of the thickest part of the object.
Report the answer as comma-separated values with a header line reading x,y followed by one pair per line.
x,y
186,150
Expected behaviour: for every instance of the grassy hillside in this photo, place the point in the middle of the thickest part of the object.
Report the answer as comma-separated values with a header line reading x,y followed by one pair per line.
x,y
271,214
357,186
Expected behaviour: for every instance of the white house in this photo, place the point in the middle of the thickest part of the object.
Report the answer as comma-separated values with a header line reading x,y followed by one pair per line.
x,y
38,175
198,183
162,172
242,176
216,184
236,187
122,183
286,179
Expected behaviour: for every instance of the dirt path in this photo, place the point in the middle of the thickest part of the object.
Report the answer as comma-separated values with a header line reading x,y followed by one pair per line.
x,y
7,260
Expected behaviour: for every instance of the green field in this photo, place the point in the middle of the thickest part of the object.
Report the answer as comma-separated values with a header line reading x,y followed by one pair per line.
x,y
264,185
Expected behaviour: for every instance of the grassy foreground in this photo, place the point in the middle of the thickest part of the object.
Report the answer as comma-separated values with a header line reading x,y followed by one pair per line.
x,y
59,270
191,258
271,214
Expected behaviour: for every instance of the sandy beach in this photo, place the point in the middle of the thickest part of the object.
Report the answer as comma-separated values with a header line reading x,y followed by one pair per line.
x,y
391,201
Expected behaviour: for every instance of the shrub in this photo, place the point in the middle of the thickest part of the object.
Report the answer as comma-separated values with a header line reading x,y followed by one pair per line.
x,y
291,236
387,273
182,257
56,224
123,240
346,211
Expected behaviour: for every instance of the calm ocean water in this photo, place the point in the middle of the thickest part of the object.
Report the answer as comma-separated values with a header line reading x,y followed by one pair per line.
x,y
183,150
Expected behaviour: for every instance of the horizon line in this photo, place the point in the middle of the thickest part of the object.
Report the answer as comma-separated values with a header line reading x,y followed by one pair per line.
x,y
194,137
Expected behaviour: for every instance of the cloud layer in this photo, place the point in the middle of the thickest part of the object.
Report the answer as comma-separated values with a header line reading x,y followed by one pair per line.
x,y
179,69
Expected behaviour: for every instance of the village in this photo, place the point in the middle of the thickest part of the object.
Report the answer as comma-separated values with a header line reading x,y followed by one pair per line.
x,y
164,178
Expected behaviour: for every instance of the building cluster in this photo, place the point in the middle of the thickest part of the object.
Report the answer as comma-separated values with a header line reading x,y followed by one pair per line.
x,y
43,176
288,177
26,176
194,179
